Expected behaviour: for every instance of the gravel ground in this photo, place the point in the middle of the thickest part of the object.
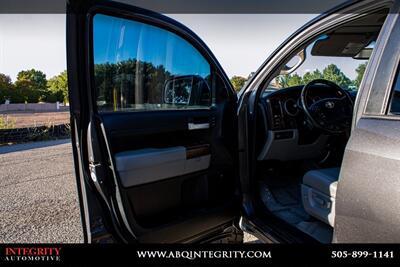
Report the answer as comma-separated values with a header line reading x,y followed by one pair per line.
x,y
29,119
38,194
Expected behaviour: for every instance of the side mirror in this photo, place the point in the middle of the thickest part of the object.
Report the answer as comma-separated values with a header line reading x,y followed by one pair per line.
x,y
294,62
187,90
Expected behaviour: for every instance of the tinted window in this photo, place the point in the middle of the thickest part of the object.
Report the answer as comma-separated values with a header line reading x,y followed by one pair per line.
x,y
395,104
143,67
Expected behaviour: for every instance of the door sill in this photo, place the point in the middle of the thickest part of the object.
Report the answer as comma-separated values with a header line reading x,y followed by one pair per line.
x,y
253,229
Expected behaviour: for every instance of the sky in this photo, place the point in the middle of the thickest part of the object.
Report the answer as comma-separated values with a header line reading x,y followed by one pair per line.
x,y
32,41
241,42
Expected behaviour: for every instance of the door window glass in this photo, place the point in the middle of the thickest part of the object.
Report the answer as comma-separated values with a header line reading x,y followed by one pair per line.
x,y
142,67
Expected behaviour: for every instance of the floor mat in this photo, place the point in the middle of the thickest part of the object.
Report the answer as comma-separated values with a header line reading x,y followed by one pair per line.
x,y
285,203
320,231
287,196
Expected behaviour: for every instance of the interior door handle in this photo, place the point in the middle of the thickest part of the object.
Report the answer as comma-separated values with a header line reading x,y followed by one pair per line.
x,y
197,126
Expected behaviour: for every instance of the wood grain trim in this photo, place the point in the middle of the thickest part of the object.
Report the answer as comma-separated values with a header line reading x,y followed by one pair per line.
x,y
197,151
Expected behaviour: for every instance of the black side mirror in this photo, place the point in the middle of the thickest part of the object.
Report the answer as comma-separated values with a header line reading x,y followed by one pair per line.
x,y
187,90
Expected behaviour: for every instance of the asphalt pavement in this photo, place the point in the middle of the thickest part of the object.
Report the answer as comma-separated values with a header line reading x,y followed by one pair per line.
x,y
38,195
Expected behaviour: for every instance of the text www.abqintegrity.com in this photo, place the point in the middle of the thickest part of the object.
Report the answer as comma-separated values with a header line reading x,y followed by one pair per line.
x,y
203,254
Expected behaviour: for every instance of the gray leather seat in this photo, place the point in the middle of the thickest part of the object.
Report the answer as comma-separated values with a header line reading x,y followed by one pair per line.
x,y
319,192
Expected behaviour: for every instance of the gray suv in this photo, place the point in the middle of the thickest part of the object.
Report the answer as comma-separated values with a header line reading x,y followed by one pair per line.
x,y
165,151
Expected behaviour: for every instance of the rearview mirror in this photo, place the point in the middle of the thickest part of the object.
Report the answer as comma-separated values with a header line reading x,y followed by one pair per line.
x,y
294,62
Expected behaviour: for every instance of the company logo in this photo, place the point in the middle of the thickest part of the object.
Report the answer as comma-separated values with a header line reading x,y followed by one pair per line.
x,y
329,104
31,254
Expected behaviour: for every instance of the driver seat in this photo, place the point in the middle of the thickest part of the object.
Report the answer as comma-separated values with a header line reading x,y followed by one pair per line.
x,y
318,192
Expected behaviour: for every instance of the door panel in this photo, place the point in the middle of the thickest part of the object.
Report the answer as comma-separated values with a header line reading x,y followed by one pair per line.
x,y
160,157
367,199
149,165
166,169
131,131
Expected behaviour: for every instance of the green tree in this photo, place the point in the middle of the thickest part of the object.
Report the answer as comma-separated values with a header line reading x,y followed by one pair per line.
x,y
6,87
238,82
360,74
309,76
294,80
127,82
5,81
334,74
31,86
289,80
283,80
58,88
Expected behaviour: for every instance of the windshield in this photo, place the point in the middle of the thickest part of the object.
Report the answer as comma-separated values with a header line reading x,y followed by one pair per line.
x,y
347,72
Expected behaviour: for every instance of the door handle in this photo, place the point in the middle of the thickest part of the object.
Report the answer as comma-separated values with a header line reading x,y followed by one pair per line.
x,y
198,126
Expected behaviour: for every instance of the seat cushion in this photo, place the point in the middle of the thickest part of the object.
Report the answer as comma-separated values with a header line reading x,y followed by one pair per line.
x,y
323,180
318,194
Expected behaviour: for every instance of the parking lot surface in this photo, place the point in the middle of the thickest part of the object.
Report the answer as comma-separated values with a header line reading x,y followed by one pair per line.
x,y
38,194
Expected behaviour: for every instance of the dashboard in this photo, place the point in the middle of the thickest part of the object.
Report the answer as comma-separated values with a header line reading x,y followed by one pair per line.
x,y
288,134
284,108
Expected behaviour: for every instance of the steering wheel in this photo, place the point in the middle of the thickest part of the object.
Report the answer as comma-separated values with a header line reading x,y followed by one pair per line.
x,y
330,114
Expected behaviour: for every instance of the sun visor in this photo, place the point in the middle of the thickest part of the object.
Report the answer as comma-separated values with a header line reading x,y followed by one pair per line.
x,y
341,45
